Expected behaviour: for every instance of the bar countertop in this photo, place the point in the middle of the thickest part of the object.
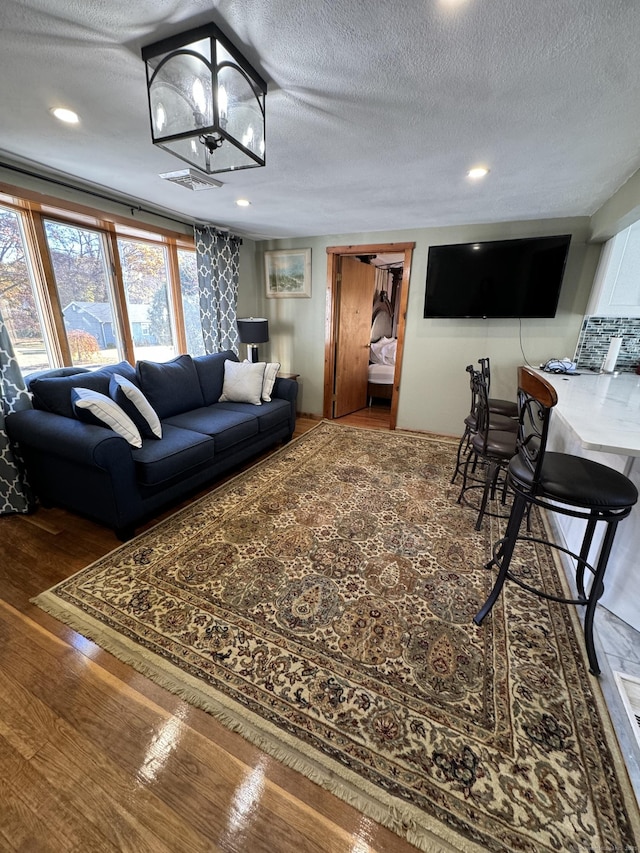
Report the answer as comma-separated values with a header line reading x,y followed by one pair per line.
x,y
603,410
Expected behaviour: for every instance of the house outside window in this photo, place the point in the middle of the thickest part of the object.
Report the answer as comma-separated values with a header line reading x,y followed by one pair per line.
x,y
78,258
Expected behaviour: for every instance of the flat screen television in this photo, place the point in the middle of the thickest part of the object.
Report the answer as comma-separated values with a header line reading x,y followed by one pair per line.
x,y
498,278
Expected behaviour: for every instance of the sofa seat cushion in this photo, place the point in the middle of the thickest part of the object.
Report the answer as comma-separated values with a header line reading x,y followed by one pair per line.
x,y
227,427
269,415
176,453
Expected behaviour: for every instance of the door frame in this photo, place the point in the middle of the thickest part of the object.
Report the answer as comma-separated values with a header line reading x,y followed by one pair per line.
x,y
331,316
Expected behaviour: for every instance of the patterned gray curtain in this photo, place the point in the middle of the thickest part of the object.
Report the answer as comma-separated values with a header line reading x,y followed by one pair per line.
x,y
15,494
217,256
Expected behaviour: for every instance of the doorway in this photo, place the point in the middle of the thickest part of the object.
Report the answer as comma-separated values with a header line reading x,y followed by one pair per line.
x,y
349,326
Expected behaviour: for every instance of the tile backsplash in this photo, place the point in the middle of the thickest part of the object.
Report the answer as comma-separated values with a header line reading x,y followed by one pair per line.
x,y
595,336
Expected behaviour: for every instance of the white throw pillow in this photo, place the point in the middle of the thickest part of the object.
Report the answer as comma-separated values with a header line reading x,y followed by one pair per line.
x,y
270,373
93,407
243,382
133,402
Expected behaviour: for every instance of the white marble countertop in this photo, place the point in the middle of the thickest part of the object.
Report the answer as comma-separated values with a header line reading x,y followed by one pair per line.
x,y
603,410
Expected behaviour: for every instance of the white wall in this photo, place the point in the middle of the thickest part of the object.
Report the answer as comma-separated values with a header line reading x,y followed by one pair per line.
x,y
434,391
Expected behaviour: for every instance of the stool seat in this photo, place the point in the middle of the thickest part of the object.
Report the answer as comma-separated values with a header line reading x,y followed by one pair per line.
x,y
499,444
577,482
508,408
495,422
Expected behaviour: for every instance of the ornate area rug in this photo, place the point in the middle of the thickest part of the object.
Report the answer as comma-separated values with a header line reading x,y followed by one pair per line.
x,y
321,604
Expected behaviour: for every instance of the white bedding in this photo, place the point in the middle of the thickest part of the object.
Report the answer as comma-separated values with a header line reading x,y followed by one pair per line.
x,y
382,374
383,351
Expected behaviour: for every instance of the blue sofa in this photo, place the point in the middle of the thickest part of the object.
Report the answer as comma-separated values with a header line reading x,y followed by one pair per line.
x,y
95,472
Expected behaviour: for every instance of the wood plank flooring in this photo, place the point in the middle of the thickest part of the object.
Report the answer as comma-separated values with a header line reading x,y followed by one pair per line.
x,y
95,757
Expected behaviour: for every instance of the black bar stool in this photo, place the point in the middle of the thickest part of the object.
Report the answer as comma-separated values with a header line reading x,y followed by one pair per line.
x,y
492,448
496,422
565,484
508,408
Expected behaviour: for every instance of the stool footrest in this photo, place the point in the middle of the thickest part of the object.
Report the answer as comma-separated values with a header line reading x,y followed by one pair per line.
x,y
581,601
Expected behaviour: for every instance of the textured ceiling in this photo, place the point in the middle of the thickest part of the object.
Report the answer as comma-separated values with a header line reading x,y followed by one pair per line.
x,y
375,109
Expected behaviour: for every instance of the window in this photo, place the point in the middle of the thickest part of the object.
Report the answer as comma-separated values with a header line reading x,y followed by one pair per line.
x,y
188,271
82,281
79,290
145,278
18,303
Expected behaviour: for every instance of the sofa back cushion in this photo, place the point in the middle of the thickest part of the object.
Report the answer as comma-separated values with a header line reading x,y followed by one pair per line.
x,y
53,393
210,369
171,387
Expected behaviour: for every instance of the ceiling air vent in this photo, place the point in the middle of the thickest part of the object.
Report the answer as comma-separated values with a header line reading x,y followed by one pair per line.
x,y
191,179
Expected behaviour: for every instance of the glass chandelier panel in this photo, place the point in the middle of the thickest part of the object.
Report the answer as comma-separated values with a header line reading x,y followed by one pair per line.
x,y
206,102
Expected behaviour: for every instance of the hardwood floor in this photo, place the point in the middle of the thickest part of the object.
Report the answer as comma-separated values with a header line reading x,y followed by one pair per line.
x,y
95,757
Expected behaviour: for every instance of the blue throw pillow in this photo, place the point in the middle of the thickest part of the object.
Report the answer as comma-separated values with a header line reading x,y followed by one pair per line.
x,y
171,387
132,401
94,408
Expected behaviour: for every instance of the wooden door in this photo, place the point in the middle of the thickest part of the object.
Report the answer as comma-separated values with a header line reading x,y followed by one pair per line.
x,y
354,306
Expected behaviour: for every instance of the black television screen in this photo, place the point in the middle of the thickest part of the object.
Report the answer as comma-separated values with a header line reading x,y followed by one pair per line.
x,y
499,278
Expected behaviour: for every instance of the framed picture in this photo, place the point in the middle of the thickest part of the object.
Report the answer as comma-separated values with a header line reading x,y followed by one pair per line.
x,y
287,273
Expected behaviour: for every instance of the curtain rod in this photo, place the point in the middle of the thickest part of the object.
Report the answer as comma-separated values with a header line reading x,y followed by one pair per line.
x,y
132,207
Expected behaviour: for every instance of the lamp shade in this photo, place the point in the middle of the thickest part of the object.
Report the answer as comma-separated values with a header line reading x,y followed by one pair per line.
x,y
206,102
253,330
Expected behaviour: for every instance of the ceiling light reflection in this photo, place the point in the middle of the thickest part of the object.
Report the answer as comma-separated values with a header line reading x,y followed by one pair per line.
x,y
364,835
162,745
245,804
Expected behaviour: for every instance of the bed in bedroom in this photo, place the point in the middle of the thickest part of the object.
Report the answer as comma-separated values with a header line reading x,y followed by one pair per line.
x,y
382,366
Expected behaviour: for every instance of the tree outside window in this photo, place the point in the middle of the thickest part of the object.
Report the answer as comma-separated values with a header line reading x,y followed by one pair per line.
x,y
18,304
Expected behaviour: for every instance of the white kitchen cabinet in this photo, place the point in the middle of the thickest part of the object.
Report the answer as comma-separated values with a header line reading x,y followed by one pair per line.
x,y
616,286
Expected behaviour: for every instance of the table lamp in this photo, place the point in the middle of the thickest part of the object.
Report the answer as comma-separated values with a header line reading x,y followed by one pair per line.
x,y
253,331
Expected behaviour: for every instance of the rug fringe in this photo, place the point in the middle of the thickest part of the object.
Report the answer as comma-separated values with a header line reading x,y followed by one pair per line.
x,y
405,820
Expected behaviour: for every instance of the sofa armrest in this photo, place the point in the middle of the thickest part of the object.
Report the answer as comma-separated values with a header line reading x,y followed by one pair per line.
x,y
287,389
56,435
85,468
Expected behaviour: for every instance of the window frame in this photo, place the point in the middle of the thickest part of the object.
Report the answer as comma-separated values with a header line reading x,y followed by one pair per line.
x,y
33,208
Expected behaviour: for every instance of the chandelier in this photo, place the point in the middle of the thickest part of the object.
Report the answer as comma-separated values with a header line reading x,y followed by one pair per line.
x,y
206,102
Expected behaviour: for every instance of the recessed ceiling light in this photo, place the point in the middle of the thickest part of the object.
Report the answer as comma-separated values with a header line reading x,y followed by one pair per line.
x,y
477,172
66,115
243,202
